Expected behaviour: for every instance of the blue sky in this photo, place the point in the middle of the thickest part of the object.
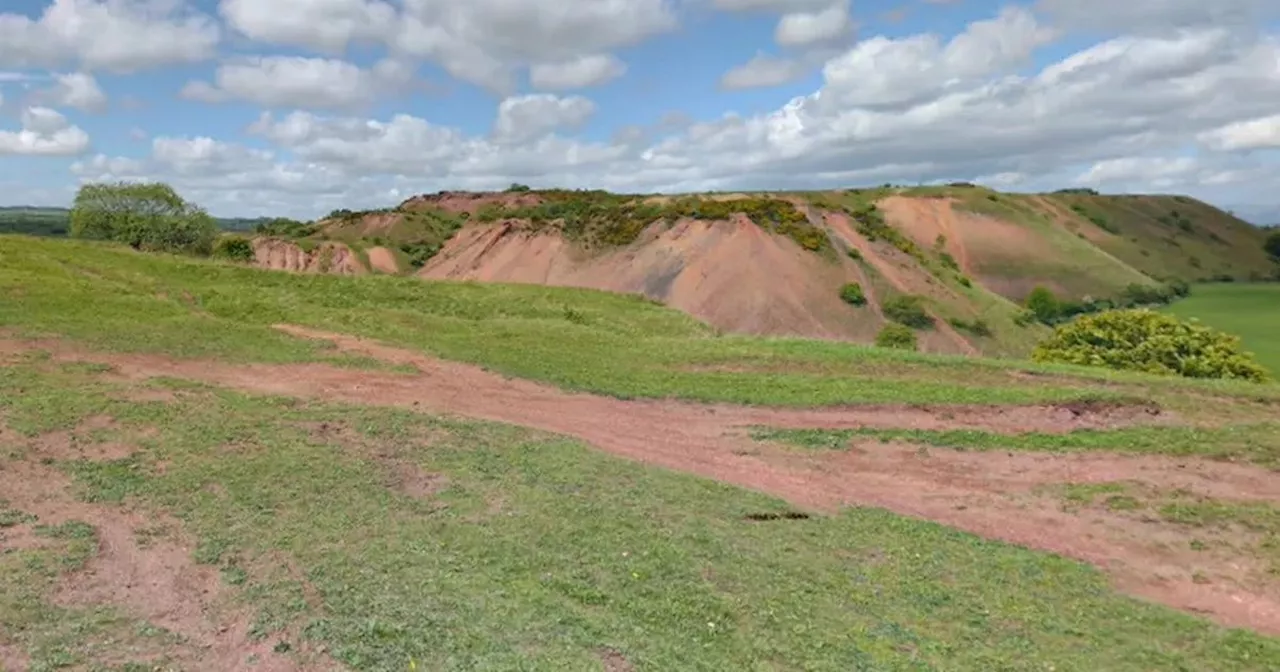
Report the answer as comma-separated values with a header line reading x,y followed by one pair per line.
x,y
367,101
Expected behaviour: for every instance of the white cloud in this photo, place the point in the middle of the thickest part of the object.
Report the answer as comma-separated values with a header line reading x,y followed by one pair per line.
x,y
524,118
327,26
294,81
115,35
1260,133
76,90
577,73
764,70
44,132
1124,113
1156,16
801,29
482,42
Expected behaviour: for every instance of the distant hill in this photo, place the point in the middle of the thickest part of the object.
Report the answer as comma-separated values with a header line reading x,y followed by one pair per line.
x,y
958,260
42,221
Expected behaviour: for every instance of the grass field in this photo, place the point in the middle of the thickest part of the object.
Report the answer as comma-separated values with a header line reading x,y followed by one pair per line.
x,y
358,536
1251,311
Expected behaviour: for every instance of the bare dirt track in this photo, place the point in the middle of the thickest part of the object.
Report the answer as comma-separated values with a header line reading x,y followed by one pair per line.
x,y
156,580
991,494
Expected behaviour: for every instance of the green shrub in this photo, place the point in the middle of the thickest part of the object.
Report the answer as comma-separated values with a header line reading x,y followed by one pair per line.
x,y
978,327
145,216
1272,245
1144,340
854,254
1044,305
907,310
234,248
853,295
896,336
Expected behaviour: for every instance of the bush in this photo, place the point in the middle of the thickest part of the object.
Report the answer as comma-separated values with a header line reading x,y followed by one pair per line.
x,y
1272,245
853,295
896,336
234,248
145,216
1044,305
908,310
1144,340
978,327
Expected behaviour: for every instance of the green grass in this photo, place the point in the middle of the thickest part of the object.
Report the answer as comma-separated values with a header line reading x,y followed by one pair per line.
x,y
116,299
1258,442
536,552
1250,311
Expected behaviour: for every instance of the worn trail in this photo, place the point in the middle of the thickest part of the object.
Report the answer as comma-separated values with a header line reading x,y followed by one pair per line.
x,y
985,494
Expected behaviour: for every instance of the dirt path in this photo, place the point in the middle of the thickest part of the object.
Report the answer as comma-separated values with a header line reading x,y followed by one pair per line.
x,y
156,581
984,493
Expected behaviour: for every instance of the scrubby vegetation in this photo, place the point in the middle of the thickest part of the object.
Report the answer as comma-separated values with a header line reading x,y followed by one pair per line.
x,y
1272,245
146,216
604,219
853,295
233,248
1144,340
896,337
1047,308
907,310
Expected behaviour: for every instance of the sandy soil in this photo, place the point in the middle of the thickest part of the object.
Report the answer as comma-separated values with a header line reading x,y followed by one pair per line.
x,y
732,275
991,494
282,255
382,260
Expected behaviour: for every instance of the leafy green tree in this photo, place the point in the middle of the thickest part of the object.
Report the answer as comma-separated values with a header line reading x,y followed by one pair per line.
x,y
1044,304
145,216
1144,340
1272,244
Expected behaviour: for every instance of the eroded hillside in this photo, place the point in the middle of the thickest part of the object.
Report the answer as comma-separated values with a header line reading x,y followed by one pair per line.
x,y
954,263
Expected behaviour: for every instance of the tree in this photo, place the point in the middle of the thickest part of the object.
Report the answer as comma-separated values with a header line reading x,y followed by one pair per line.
x,y
143,215
1144,340
1044,304
1272,244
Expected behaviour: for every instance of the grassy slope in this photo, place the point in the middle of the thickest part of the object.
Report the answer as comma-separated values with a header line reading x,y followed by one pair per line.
x,y
1251,311
1174,236
537,553
114,298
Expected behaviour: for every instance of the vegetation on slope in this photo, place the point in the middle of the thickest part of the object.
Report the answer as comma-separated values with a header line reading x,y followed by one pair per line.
x,y
601,219
619,345
1170,237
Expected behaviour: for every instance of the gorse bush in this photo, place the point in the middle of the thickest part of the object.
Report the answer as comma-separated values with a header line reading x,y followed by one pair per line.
x,y
896,336
853,295
907,310
1144,340
233,248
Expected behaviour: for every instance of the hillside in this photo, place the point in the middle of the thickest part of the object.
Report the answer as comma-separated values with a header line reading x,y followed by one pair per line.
x,y
212,466
775,263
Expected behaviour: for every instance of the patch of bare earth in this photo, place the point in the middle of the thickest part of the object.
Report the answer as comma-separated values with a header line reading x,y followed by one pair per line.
x,y
693,266
149,576
979,493
381,260
614,661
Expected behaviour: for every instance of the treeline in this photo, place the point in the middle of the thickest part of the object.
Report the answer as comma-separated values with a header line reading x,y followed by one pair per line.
x,y
1045,307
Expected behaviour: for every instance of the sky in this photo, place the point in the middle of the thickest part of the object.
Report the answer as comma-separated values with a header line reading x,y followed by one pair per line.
x,y
298,107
